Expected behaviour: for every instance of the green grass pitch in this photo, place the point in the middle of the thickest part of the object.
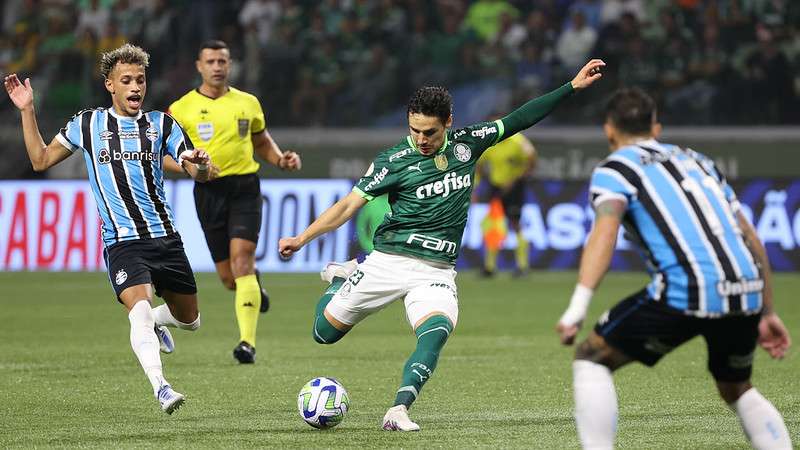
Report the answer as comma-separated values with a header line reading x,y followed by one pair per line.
x,y
68,377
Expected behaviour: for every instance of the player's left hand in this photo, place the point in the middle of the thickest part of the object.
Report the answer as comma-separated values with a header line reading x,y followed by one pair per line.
x,y
567,333
290,161
588,74
773,335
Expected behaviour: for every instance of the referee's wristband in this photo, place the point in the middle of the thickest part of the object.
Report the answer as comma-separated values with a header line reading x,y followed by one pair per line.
x,y
578,305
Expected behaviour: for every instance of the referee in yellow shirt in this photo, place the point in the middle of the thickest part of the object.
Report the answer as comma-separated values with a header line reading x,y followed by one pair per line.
x,y
229,125
506,165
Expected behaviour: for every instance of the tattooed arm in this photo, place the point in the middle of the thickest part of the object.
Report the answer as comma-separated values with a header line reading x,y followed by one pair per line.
x,y
599,247
595,260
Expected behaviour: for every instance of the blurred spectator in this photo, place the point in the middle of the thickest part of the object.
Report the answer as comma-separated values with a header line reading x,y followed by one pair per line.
x,y
484,17
706,61
533,74
511,35
575,43
262,16
767,72
93,17
638,67
592,11
614,9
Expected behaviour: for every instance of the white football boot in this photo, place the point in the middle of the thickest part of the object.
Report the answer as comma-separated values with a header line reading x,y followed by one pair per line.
x,y
169,399
165,341
396,419
336,269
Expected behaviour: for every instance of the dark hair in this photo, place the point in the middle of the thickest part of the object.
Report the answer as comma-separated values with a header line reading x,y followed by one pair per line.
x,y
631,111
127,54
213,44
433,101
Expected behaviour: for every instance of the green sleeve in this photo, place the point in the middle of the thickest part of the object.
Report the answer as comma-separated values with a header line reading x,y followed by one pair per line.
x,y
535,110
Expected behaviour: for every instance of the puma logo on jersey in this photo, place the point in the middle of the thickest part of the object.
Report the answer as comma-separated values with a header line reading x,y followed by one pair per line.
x,y
415,167
451,182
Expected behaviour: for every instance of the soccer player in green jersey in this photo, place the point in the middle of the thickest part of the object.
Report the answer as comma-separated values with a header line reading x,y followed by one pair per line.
x,y
428,177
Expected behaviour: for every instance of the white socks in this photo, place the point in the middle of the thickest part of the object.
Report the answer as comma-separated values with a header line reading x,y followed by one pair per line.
x,y
163,316
595,404
145,343
762,423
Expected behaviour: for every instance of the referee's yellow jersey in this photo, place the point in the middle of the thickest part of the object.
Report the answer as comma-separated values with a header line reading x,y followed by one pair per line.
x,y
222,127
507,160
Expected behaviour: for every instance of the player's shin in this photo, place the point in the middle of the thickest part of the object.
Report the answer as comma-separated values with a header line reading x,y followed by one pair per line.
x,y
145,342
431,337
595,404
248,301
762,423
323,331
521,252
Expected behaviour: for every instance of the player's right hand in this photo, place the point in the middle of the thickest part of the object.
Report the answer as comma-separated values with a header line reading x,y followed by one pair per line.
x,y
567,333
588,74
20,94
773,335
288,246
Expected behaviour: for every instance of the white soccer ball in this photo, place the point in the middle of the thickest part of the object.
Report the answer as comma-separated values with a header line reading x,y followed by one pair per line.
x,y
323,402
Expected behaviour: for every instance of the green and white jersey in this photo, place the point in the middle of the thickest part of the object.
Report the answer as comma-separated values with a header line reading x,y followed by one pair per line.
x,y
429,195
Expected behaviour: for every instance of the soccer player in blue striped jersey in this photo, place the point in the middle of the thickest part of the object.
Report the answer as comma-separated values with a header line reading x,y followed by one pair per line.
x,y
710,277
124,149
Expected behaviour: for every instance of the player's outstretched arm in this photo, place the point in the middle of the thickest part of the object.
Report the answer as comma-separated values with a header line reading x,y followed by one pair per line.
x,y
537,109
331,219
595,260
42,156
268,149
773,336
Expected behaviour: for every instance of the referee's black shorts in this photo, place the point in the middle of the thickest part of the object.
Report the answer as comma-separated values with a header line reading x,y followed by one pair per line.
x,y
646,330
228,207
158,261
512,199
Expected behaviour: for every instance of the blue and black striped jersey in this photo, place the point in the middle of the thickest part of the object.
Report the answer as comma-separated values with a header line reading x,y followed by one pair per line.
x,y
124,158
682,213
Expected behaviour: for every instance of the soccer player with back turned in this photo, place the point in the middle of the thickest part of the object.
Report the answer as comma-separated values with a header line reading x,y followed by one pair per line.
x,y
124,149
428,177
711,277
230,125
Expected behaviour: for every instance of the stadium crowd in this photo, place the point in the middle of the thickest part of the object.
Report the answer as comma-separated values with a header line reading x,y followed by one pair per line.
x,y
348,62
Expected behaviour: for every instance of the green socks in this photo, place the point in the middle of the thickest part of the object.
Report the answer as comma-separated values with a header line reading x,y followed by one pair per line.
x,y
324,332
431,337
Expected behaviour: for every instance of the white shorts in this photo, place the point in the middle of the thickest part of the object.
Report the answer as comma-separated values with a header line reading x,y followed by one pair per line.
x,y
383,278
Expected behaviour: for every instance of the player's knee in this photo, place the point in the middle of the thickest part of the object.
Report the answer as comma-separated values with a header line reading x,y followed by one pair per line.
x,y
595,349
324,332
228,282
241,265
731,391
434,330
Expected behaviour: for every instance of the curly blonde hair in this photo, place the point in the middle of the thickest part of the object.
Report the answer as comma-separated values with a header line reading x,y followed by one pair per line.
x,y
127,54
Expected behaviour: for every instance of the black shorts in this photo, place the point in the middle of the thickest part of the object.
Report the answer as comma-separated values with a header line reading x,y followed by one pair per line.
x,y
158,261
228,207
512,199
646,330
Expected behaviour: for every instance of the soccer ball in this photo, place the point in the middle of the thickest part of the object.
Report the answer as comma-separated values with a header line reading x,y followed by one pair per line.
x,y
323,402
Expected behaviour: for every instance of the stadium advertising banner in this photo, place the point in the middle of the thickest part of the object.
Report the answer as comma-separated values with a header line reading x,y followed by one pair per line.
x,y
53,225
